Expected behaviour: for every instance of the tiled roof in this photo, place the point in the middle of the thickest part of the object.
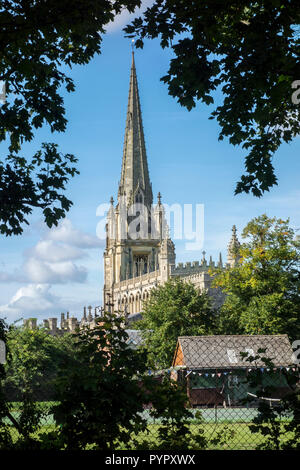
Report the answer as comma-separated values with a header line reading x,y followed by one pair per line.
x,y
223,351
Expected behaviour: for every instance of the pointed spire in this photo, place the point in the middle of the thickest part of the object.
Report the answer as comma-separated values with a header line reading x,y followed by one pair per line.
x,y
135,174
233,249
220,264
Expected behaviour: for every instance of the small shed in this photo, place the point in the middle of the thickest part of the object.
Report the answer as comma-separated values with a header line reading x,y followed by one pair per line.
x,y
216,372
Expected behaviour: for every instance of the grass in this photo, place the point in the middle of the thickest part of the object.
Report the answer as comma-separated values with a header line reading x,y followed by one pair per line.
x,y
232,422
16,406
241,436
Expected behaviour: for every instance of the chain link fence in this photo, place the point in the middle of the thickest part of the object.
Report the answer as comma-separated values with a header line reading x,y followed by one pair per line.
x,y
242,393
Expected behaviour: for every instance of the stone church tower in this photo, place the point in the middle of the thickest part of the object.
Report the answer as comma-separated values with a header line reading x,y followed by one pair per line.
x,y
138,249
139,253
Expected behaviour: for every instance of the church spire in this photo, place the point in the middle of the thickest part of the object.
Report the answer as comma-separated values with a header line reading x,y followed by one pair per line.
x,y
233,249
135,182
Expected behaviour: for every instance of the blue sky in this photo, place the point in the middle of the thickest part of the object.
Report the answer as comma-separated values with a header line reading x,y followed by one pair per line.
x,y
45,272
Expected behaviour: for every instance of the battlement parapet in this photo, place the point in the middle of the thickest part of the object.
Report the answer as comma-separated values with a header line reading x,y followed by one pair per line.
x,y
68,324
30,323
137,280
194,267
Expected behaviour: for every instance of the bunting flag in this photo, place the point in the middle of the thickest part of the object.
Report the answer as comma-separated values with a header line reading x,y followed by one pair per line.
x,y
223,373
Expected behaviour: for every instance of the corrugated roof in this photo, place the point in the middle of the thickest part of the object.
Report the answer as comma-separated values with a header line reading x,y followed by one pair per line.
x,y
223,351
135,338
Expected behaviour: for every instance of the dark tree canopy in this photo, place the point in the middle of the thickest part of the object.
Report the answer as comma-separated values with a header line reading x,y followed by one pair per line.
x,y
37,38
249,50
174,309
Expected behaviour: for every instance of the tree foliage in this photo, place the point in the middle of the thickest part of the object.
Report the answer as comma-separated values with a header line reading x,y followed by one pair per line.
x,y
102,388
34,358
279,424
174,309
263,290
170,409
39,40
5,436
99,391
103,391
249,50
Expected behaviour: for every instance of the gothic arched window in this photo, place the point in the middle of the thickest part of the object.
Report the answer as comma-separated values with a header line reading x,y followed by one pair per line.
x,y
139,198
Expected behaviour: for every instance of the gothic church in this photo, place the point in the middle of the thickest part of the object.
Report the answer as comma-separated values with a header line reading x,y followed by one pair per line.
x,y
137,261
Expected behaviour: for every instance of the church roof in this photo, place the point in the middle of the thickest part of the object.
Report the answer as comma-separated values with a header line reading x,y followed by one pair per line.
x,y
134,174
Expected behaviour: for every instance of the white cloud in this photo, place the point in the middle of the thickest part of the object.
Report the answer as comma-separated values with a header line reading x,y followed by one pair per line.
x,y
33,298
50,251
36,296
66,233
53,258
125,17
41,271
37,300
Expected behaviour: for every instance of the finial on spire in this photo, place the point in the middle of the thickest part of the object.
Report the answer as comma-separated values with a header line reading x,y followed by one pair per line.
x,y
112,201
159,199
233,249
